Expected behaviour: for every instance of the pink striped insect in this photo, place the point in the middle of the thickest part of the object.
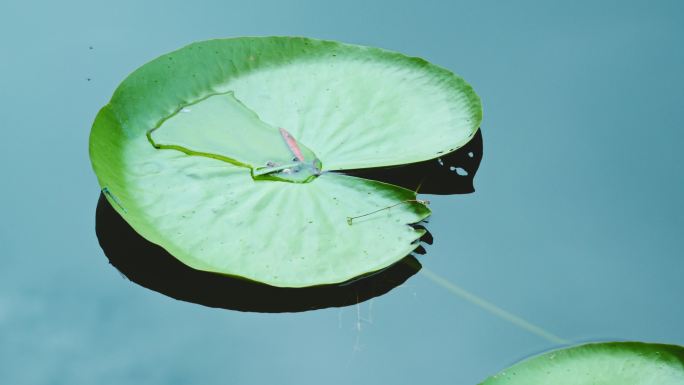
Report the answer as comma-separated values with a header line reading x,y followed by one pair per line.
x,y
314,166
292,144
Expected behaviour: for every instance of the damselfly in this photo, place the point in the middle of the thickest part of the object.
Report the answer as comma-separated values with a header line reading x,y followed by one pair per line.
x,y
350,220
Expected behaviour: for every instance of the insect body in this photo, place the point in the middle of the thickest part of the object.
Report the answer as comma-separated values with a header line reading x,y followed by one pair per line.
x,y
350,220
297,169
292,144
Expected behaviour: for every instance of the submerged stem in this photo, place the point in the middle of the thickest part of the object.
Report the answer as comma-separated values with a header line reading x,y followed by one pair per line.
x,y
493,309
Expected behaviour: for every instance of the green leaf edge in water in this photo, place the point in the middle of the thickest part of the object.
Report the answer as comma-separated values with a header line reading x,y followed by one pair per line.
x,y
166,84
606,363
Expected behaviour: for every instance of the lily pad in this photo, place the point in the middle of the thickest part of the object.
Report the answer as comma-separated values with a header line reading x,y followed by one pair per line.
x,y
227,154
611,363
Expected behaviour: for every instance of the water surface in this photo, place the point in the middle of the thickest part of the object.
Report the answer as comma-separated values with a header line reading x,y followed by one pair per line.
x,y
575,224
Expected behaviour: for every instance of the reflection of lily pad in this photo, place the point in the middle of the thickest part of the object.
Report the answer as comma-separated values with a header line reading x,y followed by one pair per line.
x,y
222,152
612,363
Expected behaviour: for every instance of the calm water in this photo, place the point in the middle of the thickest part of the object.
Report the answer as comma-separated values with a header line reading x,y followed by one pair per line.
x,y
576,224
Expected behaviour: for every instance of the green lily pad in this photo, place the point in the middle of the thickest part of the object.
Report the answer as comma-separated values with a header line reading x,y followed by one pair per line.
x,y
224,153
611,363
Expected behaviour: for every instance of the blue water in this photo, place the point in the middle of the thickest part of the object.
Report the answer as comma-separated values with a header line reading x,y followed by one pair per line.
x,y
576,224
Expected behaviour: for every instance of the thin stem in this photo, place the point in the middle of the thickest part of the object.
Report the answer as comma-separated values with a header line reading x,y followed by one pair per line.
x,y
493,309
